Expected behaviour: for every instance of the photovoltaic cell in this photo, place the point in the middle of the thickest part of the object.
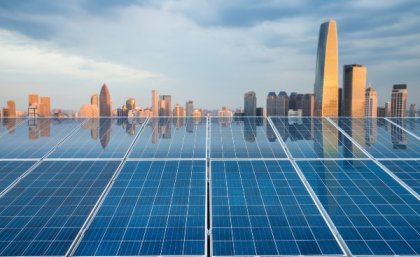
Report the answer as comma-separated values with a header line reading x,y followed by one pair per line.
x,y
8,125
381,138
373,213
35,138
100,138
176,137
408,171
153,208
315,138
247,137
11,170
411,124
43,213
263,208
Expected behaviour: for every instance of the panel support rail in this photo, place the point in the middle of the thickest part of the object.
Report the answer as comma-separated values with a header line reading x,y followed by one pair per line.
x,y
26,173
311,192
102,197
390,173
401,127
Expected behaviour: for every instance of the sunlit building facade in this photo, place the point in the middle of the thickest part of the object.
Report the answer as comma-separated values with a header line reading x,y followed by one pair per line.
x,y
399,100
354,87
105,102
371,102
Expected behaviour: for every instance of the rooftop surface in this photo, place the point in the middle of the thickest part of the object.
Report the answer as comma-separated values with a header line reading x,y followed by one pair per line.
x,y
210,186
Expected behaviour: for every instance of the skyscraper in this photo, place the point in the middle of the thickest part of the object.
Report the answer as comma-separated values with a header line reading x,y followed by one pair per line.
x,y
94,100
371,102
33,99
189,108
271,104
354,87
308,105
326,74
282,104
340,101
165,106
155,103
178,111
292,101
45,106
105,102
399,100
11,106
250,104
412,110
130,104
388,109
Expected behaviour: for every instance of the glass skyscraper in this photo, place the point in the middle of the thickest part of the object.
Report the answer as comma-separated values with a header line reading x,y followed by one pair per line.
x,y
326,74
250,104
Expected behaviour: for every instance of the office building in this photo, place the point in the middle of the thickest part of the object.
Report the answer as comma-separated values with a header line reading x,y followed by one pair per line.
x,y
165,105
259,112
33,99
94,100
178,111
155,103
105,102
282,104
271,104
371,102
399,100
130,104
293,101
381,112
44,108
388,109
412,110
326,74
340,101
308,105
189,108
11,108
250,104
354,87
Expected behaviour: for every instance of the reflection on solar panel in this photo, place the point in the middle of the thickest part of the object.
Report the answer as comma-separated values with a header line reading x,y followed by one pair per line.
x,y
381,138
408,171
11,170
240,186
42,214
172,138
244,138
35,139
99,138
263,208
154,208
315,138
372,212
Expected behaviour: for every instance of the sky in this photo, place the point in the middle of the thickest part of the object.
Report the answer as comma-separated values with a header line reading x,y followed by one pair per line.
x,y
211,52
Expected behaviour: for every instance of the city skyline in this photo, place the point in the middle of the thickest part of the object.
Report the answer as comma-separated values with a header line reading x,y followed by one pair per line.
x,y
261,51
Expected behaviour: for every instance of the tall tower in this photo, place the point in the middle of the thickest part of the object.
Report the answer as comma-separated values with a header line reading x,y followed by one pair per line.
x,y
165,105
45,106
250,104
104,102
308,105
282,104
11,106
371,102
271,104
94,100
354,87
399,100
155,103
326,73
189,108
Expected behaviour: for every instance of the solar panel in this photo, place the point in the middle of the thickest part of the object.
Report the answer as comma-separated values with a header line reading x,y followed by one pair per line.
x,y
381,138
11,170
42,214
154,208
172,138
36,138
408,171
411,124
247,137
373,213
8,125
263,208
100,138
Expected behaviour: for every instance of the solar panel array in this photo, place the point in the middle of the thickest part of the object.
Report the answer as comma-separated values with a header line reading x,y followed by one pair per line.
x,y
212,186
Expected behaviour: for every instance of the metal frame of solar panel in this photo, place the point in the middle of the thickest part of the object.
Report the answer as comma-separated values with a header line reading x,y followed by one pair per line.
x,y
364,187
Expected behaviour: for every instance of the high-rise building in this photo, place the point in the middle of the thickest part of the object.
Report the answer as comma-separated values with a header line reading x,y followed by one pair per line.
x,y
33,99
271,104
282,104
130,104
178,111
11,106
399,100
388,109
155,103
94,100
105,102
165,105
292,101
412,110
250,104
44,106
189,108
259,112
308,105
371,102
354,87
340,101
381,112
326,74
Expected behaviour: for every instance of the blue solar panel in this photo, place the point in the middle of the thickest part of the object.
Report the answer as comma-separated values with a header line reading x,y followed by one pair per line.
x,y
43,213
372,212
408,171
411,124
100,138
172,138
35,138
245,137
8,125
315,138
263,208
381,138
154,208
11,170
